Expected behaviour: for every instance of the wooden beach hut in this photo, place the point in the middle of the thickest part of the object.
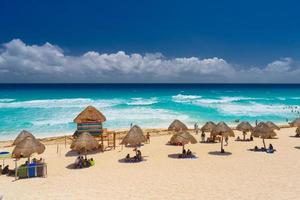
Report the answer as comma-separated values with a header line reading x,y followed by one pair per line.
x,y
89,120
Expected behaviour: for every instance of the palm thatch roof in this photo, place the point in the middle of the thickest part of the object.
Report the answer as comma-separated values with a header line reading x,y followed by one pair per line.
x,y
22,135
222,129
27,147
263,130
84,143
183,137
272,125
244,126
295,123
208,126
134,137
90,114
177,125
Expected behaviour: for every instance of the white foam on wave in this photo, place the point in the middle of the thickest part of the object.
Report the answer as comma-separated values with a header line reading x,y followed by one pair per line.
x,y
142,113
180,98
198,100
6,100
253,109
142,101
61,103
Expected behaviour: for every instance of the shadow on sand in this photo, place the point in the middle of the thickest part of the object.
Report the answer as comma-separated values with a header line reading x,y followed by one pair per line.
x,y
122,160
293,136
218,153
176,156
297,148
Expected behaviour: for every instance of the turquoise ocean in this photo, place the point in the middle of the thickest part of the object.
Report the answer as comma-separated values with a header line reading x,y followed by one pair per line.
x,y
49,109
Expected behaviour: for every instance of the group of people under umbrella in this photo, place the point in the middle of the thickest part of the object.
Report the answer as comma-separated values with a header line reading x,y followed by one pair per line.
x,y
26,145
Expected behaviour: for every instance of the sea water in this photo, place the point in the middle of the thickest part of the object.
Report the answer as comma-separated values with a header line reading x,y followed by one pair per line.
x,y
49,109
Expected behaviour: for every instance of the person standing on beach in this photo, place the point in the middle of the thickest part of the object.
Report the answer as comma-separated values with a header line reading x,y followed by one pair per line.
x,y
196,127
226,140
148,137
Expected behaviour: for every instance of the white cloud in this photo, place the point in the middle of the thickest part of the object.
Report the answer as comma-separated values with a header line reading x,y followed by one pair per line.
x,y
282,65
48,63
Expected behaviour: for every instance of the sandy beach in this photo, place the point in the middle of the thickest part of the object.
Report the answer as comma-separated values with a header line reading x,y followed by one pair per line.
x,y
241,175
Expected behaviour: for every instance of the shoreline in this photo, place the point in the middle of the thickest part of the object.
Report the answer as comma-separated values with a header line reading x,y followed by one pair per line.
x,y
60,139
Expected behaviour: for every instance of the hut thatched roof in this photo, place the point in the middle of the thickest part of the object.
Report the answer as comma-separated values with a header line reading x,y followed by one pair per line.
x,y
22,135
222,129
244,126
27,147
263,130
272,125
295,123
90,114
177,125
134,137
84,143
208,126
183,137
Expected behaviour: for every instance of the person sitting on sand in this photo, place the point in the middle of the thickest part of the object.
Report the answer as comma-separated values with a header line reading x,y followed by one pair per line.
x,y
189,153
238,138
5,169
92,162
86,163
270,149
256,148
139,155
183,152
127,158
77,161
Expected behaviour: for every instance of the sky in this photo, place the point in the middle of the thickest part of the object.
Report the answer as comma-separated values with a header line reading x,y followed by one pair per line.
x,y
149,41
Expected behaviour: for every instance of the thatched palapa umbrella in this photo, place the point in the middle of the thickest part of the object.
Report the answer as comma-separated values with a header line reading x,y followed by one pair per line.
x,y
22,135
135,137
223,130
272,126
208,126
295,123
84,143
27,147
177,125
244,127
263,131
183,137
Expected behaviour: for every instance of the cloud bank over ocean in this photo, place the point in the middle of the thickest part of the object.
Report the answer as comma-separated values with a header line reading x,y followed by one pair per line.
x,y
48,63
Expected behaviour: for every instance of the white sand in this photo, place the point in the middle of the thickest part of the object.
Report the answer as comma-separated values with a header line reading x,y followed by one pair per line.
x,y
242,175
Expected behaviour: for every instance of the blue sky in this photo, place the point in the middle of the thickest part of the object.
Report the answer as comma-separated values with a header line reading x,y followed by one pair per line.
x,y
247,35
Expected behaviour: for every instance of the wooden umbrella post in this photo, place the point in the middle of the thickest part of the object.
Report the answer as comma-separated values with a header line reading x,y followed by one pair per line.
x,y
114,138
102,143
